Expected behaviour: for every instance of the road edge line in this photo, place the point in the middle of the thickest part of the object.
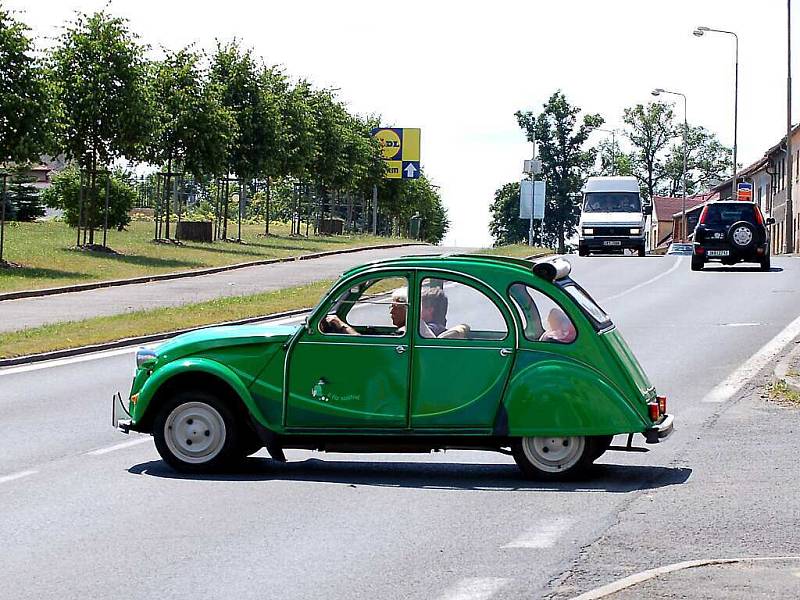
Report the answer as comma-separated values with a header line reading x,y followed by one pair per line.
x,y
642,576
95,285
644,283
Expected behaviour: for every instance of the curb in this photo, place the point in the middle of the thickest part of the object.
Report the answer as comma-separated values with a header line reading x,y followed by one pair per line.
x,y
134,341
784,365
81,287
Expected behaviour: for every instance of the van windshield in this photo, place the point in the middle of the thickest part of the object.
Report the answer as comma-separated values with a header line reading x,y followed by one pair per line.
x,y
612,202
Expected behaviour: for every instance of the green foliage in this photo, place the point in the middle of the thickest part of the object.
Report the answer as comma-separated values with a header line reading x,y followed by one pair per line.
x,y
23,199
403,198
506,227
25,115
613,161
100,75
565,163
650,130
707,161
64,193
192,126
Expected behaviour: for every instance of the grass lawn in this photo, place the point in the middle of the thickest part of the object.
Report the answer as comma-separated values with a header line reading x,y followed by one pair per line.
x,y
46,251
105,329
516,250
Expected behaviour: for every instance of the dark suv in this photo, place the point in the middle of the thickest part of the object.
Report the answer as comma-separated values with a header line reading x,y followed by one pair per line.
x,y
731,232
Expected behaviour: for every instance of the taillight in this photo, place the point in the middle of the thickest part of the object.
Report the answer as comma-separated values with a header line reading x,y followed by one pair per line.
x,y
703,216
653,408
759,218
699,250
662,404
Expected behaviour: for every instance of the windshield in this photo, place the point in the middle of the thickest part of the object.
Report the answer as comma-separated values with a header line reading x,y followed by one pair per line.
x,y
588,305
612,202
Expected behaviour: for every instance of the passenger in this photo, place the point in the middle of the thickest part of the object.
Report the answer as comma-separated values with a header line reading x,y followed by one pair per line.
x,y
432,312
397,312
559,328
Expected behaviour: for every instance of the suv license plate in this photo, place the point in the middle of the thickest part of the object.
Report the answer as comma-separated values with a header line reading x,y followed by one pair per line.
x,y
718,252
612,243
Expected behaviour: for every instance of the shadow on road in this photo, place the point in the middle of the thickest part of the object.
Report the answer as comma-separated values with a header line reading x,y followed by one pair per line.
x,y
756,269
432,475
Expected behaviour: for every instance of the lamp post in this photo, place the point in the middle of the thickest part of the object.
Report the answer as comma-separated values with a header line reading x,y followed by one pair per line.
x,y
699,32
613,133
789,200
658,92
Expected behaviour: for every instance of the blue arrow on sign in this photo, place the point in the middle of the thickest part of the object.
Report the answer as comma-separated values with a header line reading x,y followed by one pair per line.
x,y
410,169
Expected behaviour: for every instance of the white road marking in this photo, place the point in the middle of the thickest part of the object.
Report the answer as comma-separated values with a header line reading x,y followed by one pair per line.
x,y
740,324
736,380
544,535
644,283
59,362
475,588
14,476
120,446
636,578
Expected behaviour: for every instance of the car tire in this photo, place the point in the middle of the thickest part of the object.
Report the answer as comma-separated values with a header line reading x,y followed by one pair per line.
x,y
600,444
697,263
553,458
742,235
765,263
583,251
641,251
196,432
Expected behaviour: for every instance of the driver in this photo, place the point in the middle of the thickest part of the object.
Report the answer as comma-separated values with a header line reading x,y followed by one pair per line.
x,y
398,313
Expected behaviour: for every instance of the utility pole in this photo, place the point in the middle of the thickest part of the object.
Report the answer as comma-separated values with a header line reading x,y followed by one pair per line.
x,y
789,204
533,178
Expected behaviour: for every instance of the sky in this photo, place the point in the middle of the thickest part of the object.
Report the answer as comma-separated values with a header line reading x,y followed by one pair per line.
x,y
459,70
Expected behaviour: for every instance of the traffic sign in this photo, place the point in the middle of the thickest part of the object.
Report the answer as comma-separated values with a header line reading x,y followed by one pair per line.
x,y
744,191
400,149
531,199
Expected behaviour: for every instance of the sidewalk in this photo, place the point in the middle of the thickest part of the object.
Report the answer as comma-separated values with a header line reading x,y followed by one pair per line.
x,y
32,312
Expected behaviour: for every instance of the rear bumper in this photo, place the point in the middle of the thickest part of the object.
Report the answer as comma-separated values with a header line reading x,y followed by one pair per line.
x,y
659,431
754,254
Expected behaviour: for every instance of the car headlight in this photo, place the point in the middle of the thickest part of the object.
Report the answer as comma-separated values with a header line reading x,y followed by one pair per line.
x,y
635,230
144,355
588,231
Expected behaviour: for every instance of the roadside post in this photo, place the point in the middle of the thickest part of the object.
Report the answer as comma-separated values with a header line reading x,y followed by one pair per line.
x,y
400,151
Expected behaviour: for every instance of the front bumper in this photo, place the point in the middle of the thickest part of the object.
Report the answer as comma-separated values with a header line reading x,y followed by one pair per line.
x,y
611,242
118,414
660,430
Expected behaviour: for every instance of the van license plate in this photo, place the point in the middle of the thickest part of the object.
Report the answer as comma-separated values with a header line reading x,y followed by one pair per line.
x,y
718,252
612,243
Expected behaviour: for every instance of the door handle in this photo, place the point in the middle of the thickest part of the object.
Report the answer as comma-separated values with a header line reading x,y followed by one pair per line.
x,y
400,349
505,352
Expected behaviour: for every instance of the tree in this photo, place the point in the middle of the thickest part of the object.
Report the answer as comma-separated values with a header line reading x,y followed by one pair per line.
x,y
506,227
613,161
650,130
64,193
192,127
23,196
707,160
25,113
100,77
405,198
565,162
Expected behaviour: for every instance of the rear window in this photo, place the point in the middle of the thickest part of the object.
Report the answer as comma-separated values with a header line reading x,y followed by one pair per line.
x,y
589,306
725,215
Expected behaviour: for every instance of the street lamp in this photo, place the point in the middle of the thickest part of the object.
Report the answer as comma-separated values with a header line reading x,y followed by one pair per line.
x,y
658,92
613,133
699,32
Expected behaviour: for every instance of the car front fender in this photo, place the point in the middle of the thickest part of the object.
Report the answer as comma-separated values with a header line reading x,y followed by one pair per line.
x,y
559,398
184,367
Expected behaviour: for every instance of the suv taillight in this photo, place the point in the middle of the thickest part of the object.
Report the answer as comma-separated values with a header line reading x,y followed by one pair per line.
x,y
759,218
703,216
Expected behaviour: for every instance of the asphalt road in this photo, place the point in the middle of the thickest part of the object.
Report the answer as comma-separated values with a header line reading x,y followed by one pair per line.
x,y
32,312
90,513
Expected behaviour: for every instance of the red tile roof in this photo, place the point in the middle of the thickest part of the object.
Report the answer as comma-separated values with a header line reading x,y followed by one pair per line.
x,y
666,206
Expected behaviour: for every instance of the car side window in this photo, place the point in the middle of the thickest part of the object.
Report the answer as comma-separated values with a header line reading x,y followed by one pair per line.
x,y
453,310
544,320
376,306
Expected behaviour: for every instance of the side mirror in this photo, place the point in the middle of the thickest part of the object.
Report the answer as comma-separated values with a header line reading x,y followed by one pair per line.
x,y
307,326
770,221
647,209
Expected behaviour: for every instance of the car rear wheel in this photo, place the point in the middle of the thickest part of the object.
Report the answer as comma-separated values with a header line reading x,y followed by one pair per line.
x,y
697,263
195,432
764,263
553,458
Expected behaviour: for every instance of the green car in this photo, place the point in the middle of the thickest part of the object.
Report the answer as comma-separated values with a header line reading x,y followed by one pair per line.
x,y
411,354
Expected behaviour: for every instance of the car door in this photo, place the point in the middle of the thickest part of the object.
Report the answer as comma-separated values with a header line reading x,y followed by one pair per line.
x,y
359,378
462,355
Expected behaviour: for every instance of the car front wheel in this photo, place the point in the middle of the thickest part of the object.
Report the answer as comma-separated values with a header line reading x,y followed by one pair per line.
x,y
553,458
195,432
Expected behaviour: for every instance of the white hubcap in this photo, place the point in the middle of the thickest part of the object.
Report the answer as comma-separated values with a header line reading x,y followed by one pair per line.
x,y
195,432
742,236
553,454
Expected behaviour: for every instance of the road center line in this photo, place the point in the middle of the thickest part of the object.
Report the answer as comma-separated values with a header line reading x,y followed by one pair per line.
x,y
475,588
544,535
644,283
736,380
14,476
120,446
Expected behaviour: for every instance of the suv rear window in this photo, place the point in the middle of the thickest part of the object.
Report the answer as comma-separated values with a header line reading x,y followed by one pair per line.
x,y
725,215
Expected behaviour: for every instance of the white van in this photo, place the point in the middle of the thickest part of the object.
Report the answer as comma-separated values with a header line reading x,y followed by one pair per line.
x,y
612,216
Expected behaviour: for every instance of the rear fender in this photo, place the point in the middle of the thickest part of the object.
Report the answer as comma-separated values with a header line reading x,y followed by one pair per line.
x,y
186,367
551,397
